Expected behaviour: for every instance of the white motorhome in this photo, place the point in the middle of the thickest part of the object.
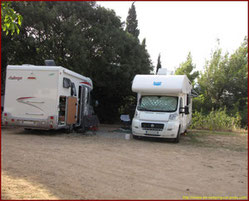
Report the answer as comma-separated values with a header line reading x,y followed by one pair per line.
x,y
46,97
164,106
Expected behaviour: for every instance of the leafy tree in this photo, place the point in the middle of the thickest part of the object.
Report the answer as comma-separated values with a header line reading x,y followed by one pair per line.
x,y
213,79
236,87
10,20
223,84
85,38
186,68
158,63
131,22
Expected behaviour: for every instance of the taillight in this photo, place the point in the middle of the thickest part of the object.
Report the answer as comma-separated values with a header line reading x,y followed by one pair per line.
x,y
5,114
51,126
12,120
51,117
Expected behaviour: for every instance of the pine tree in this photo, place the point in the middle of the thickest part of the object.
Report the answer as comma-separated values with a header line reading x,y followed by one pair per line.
x,y
158,63
131,22
144,43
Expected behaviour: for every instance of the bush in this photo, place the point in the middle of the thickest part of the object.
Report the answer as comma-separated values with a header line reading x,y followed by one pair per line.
x,y
215,120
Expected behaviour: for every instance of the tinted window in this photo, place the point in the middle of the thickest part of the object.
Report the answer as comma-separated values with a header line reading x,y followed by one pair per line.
x,y
73,89
66,82
188,99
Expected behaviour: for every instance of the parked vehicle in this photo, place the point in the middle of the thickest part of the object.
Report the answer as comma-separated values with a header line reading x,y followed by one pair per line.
x,y
164,106
46,97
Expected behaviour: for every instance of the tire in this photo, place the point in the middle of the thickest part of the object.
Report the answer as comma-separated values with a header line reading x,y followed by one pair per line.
x,y
135,137
80,129
177,139
70,129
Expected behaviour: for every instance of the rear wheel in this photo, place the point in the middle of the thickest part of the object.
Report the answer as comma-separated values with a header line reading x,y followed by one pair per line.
x,y
27,129
70,129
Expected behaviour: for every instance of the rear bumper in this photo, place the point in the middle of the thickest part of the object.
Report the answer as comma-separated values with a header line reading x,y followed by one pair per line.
x,y
36,123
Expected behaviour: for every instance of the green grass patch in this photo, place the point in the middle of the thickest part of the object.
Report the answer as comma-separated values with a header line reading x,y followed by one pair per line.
x,y
209,132
216,140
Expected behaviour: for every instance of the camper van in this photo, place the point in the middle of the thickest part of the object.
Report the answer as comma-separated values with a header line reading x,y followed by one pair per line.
x,y
46,97
164,106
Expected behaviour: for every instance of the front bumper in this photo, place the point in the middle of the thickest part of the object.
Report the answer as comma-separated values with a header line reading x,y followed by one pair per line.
x,y
169,130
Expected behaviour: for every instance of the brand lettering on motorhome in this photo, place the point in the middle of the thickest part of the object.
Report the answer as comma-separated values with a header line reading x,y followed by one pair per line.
x,y
15,78
157,83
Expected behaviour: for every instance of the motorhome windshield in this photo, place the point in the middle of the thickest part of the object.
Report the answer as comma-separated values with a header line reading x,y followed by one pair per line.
x,y
158,103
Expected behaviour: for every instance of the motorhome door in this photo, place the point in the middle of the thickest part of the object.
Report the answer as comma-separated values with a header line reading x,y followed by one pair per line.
x,y
71,110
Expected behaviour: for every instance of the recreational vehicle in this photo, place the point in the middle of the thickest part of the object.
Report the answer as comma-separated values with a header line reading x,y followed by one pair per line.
x,y
46,97
164,106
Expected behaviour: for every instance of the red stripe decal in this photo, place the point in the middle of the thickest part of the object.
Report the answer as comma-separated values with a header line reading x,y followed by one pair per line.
x,y
21,98
87,83
31,78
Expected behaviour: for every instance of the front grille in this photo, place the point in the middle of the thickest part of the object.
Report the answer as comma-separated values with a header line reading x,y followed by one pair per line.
x,y
152,126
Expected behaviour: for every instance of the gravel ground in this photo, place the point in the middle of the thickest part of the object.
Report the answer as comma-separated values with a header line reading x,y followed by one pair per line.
x,y
105,165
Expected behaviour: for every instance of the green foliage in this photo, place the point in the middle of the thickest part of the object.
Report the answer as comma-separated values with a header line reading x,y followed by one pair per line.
x,y
131,22
212,81
10,20
215,120
224,83
144,43
186,68
85,38
128,106
159,65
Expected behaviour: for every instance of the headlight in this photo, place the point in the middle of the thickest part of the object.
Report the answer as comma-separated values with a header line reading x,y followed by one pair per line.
x,y
173,116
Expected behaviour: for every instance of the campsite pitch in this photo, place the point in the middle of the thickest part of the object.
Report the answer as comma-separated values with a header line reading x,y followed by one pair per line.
x,y
108,165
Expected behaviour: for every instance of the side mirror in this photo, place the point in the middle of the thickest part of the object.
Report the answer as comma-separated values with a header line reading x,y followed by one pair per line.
x,y
186,108
181,110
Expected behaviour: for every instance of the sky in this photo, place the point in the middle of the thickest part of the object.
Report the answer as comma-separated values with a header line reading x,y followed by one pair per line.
x,y
174,29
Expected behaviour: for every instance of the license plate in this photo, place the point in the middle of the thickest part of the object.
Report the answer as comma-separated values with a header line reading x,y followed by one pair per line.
x,y
28,122
152,132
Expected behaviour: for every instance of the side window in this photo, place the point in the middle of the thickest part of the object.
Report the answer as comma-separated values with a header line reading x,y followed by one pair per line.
x,y
79,92
181,103
188,99
73,89
66,83
87,95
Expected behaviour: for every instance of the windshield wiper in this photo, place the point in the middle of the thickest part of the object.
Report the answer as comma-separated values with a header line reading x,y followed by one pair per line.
x,y
142,109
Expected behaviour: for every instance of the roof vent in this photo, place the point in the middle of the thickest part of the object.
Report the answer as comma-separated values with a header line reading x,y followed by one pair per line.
x,y
164,71
49,63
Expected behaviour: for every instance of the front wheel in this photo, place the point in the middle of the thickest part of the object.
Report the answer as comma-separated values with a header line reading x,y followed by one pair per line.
x,y
135,137
177,139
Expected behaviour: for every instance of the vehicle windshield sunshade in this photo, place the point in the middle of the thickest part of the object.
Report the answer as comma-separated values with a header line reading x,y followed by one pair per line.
x,y
158,103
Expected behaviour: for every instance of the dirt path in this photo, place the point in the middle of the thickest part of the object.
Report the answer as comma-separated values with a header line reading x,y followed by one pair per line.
x,y
103,166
